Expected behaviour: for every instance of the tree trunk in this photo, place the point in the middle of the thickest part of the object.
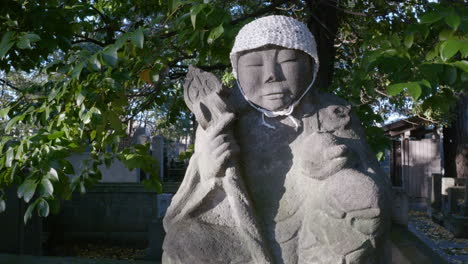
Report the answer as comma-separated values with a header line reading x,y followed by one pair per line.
x,y
456,142
323,24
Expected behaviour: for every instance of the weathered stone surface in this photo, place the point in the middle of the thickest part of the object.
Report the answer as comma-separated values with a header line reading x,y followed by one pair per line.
x,y
294,188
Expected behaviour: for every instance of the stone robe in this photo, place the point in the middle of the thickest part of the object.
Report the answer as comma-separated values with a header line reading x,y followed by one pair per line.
x,y
306,217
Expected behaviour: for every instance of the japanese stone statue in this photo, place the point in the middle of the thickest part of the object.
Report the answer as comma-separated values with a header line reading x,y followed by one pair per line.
x,y
281,172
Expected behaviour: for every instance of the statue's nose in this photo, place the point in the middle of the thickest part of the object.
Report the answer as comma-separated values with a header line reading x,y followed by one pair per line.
x,y
272,72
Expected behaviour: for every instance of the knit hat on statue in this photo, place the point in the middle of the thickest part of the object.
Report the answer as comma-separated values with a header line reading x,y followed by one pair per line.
x,y
282,31
276,30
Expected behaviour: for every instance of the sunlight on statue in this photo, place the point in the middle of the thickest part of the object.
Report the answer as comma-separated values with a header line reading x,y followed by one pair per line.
x,y
281,172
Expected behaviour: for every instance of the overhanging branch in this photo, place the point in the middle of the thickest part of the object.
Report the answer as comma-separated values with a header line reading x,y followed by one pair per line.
x,y
7,83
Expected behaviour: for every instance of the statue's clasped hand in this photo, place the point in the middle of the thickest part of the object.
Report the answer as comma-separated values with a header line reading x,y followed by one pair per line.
x,y
220,147
323,156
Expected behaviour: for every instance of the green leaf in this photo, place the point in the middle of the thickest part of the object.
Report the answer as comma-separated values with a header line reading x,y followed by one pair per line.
x,y
110,56
449,48
13,122
194,11
2,206
82,188
52,175
19,152
43,208
79,99
115,121
95,63
9,157
92,135
52,94
173,4
414,90
29,211
464,48
46,188
380,155
408,41
215,33
453,20
445,34
77,70
27,189
464,76
4,112
138,38
56,135
450,75
154,185
431,54
431,17
463,65
395,89
87,118
6,43
33,37
23,43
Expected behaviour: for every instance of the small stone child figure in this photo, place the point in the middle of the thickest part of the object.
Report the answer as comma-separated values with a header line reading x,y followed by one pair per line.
x,y
304,188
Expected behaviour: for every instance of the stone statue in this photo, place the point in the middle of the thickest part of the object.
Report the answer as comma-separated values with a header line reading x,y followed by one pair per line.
x,y
281,173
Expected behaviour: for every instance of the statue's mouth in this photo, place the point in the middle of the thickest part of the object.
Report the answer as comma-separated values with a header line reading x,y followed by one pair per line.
x,y
276,95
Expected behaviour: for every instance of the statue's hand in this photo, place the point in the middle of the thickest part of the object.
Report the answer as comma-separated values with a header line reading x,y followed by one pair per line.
x,y
216,146
323,156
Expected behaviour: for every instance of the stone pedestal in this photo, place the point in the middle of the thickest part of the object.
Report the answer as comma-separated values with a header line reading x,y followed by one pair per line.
x,y
156,239
156,229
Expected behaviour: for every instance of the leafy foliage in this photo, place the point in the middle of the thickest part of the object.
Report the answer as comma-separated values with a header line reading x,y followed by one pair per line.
x,y
410,59
89,69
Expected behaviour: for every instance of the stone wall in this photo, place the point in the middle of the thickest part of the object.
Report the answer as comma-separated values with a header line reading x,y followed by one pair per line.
x,y
15,236
114,213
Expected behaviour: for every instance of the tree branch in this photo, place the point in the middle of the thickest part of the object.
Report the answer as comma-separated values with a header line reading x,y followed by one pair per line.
x,y
7,83
381,93
259,12
88,39
345,10
218,66
104,17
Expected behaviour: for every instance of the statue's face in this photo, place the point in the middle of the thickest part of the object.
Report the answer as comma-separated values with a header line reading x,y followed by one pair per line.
x,y
274,77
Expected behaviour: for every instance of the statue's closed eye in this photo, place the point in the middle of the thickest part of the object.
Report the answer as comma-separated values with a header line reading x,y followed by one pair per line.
x,y
288,60
255,64
287,55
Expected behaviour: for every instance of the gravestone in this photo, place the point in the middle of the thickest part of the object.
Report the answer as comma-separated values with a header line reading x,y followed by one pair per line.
x,y
465,200
447,182
455,195
400,206
455,220
434,208
281,173
436,191
157,150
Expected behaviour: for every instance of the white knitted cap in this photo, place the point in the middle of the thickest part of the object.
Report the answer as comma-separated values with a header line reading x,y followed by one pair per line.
x,y
277,30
